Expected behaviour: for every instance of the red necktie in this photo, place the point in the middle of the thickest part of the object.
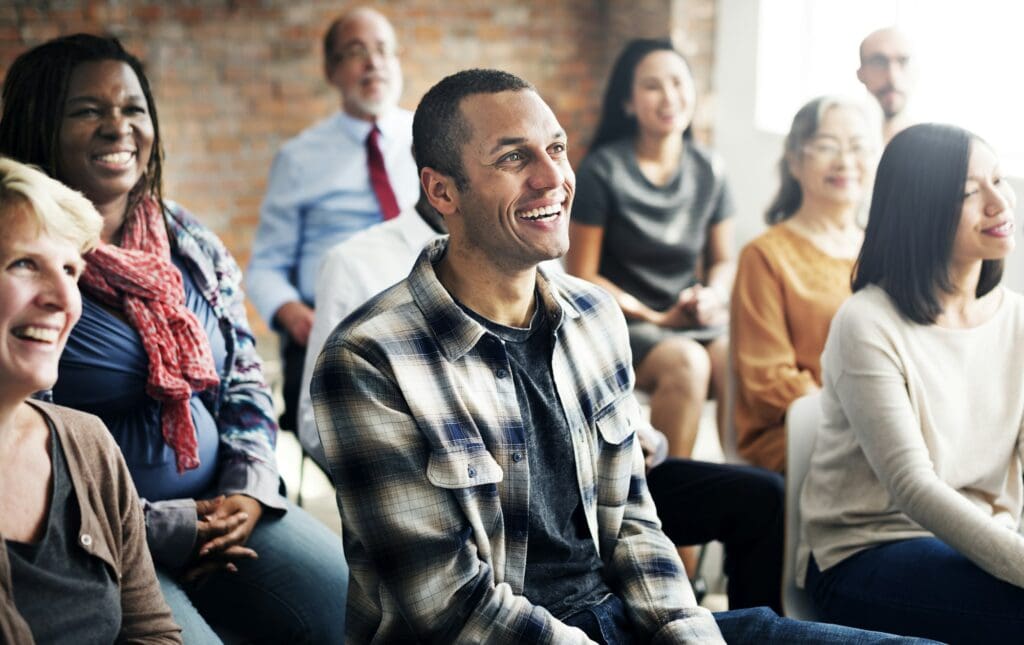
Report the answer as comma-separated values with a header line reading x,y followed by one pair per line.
x,y
379,176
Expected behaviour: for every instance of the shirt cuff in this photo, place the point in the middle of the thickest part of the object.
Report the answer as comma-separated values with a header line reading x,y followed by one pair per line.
x,y
171,529
254,479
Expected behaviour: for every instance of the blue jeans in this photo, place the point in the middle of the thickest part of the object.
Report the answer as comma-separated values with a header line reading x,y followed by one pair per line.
x,y
294,593
608,624
922,587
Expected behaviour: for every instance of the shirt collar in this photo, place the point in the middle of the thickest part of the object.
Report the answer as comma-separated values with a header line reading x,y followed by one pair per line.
x,y
358,129
455,331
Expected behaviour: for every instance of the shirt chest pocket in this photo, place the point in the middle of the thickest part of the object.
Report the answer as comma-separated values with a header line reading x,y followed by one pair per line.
x,y
471,475
463,466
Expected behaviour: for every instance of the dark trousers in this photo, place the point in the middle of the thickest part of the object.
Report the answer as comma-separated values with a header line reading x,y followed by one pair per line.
x,y
920,587
293,360
741,507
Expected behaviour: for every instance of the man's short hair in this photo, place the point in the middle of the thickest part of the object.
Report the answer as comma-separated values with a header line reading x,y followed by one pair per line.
x,y
439,129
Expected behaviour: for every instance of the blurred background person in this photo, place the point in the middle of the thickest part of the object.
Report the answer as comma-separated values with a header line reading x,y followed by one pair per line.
x,y
74,566
651,224
888,74
164,355
791,279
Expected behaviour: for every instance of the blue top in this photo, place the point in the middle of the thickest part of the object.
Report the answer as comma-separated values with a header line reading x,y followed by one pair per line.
x,y
103,371
318,194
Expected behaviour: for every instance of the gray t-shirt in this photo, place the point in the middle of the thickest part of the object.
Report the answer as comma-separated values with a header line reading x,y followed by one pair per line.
x,y
563,569
654,235
64,594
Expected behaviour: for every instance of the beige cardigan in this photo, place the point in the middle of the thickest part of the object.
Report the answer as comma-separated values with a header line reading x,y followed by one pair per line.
x,y
112,530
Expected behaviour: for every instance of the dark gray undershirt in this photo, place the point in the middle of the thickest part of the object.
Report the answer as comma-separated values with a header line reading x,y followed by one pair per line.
x,y
563,570
63,593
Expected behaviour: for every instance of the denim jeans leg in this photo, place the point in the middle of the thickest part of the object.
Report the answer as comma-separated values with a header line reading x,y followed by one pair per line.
x,y
761,625
294,593
194,628
922,587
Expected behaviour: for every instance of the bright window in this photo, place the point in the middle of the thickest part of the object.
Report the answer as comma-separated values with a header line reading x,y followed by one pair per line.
x,y
968,55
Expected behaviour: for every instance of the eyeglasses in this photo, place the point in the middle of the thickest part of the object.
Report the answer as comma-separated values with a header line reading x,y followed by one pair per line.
x,y
881,61
353,52
831,150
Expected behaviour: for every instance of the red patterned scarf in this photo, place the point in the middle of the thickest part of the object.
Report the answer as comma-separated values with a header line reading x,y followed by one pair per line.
x,y
139,278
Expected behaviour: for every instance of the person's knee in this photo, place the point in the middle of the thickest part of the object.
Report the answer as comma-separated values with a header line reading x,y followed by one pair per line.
x,y
685,364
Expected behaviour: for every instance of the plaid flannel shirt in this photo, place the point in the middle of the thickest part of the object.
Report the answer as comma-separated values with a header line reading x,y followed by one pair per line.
x,y
419,420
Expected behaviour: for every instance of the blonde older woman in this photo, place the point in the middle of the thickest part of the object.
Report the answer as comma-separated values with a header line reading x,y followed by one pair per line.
x,y
74,565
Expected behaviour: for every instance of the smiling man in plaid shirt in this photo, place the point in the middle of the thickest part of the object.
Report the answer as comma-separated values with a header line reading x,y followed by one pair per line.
x,y
479,421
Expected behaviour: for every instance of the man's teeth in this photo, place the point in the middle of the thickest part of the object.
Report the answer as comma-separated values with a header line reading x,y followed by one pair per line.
x,y
119,158
42,334
543,212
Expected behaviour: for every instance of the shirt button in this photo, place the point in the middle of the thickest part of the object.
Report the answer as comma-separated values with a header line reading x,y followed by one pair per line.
x,y
517,457
501,373
472,472
86,539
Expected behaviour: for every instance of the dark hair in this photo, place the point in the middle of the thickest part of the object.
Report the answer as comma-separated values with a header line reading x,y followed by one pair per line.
x,y
34,93
615,123
790,196
915,212
439,129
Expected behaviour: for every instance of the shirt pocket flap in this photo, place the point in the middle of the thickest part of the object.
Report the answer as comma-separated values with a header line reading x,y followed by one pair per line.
x,y
615,425
463,467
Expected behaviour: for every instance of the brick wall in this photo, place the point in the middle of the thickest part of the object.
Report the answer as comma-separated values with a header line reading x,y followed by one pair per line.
x,y
234,79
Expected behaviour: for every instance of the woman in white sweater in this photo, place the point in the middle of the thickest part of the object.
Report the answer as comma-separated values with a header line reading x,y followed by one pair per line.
x,y
912,504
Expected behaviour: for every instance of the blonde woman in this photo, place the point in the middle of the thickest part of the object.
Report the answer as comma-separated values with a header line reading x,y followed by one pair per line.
x,y
74,566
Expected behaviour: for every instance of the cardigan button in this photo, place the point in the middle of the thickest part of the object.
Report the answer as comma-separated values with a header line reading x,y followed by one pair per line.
x,y
86,540
501,372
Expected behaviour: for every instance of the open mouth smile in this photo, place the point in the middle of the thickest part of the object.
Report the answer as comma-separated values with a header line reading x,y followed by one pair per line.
x,y
48,335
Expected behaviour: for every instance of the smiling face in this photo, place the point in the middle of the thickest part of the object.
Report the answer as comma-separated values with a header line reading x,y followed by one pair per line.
x,y
365,66
39,303
514,212
106,135
835,166
986,227
663,95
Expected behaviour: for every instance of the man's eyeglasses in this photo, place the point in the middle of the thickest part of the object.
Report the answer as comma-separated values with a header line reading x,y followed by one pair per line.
x,y
359,52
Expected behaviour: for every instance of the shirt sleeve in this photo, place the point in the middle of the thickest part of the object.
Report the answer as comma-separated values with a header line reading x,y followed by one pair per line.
x,y
336,298
764,358
275,250
171,526
724,205
145,616
412,534
643,565
593,201
872,389
245,415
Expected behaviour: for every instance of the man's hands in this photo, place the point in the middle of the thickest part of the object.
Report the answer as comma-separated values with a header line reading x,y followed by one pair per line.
x,y
297,320
223,527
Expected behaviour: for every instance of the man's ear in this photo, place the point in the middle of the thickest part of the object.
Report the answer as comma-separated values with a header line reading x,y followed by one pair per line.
x,y
860,73
440,191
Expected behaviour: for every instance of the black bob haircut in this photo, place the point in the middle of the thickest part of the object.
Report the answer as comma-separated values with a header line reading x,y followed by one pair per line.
x,y
34,94
439,129
915,212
